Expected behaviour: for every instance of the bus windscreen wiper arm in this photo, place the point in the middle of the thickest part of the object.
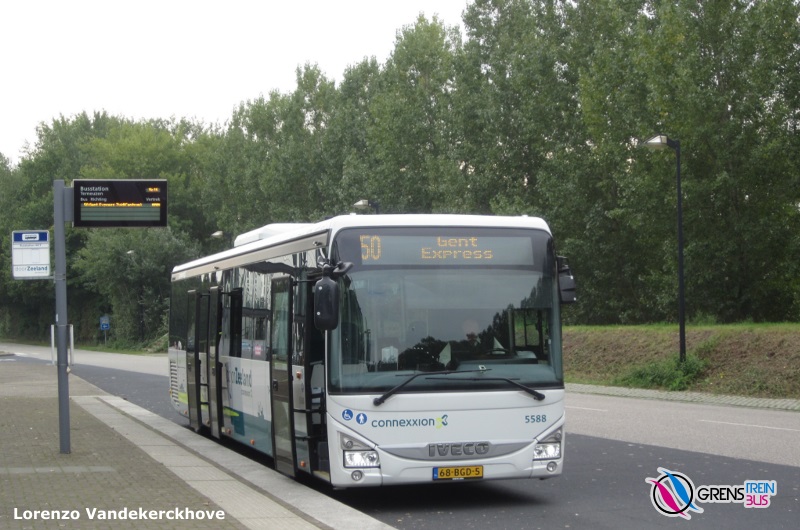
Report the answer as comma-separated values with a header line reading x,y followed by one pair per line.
x,y
379,400
535,393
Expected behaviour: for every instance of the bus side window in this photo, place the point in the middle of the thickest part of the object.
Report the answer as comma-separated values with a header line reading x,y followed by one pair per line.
x,y
233,326
281,319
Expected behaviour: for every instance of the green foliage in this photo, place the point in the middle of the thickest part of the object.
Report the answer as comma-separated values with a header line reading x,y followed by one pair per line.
x,y
537,108
408,133
129,270
668,374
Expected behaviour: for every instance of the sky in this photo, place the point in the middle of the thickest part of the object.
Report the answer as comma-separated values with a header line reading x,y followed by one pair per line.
x,y
196,59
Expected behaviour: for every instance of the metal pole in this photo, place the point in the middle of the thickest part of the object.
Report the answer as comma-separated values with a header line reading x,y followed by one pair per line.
x,y
60,277
71,348
52,345
660,142
681,286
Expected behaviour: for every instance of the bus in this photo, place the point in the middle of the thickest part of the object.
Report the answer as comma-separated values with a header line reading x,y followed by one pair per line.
x,y
370,350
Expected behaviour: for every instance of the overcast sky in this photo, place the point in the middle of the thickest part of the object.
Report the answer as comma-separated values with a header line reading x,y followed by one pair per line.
x,y
184,58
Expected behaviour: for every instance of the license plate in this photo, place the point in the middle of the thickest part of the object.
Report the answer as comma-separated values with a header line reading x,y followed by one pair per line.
x,y
457,472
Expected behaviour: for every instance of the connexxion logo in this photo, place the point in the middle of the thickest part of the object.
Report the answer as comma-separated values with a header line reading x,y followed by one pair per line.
x,y
402,423
439,422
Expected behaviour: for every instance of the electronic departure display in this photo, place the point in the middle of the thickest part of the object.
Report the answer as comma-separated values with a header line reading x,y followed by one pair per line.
x,y
385,249
119,203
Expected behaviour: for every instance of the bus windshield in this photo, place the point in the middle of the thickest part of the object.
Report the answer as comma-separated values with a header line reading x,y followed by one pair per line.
x,y
478,303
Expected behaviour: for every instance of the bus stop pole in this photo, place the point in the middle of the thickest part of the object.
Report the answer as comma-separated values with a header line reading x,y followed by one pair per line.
x,y
60,278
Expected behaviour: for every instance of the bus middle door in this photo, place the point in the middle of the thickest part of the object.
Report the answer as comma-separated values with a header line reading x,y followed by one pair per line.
x,y
213,368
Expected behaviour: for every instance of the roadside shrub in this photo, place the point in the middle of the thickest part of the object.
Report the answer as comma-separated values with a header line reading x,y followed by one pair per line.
x,y
668,374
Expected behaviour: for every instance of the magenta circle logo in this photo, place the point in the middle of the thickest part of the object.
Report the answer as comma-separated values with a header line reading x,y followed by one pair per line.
x,y
673,494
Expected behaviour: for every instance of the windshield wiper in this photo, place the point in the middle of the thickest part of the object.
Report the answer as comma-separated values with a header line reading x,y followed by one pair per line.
x,y
535,393
379,400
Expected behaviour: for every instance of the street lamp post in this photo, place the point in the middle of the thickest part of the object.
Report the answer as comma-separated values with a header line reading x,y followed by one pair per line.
x,y
664,142
227,237
139,292
363,204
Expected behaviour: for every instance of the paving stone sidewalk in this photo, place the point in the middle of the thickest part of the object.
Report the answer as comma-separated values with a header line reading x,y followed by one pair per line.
x,y
130,468
104,471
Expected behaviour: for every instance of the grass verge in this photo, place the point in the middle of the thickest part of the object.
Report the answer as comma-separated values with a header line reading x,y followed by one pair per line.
x,y
759,360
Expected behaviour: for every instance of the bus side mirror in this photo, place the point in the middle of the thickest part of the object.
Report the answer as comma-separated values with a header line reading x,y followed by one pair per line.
x,y
326,304
566,281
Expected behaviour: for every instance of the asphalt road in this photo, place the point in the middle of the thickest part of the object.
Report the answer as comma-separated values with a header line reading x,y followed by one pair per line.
x,y
613,445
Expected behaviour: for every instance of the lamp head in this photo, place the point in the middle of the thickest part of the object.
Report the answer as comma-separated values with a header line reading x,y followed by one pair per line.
x,y
661,142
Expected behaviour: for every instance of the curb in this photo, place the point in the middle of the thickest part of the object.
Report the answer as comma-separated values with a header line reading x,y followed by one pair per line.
x,y
687,397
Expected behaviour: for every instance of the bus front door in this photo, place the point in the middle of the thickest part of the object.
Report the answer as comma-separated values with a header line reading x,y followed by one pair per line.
x,y
202,364
280,377
196,355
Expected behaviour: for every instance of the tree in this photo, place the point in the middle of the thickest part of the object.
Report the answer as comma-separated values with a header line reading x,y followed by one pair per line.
x,y
619,219
538,111
298,174
157,149
346,148
409,137
729,93
27,308
130,271
278,144
517,98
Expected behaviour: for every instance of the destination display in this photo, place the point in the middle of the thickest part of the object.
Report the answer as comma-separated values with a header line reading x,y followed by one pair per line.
x,y
120,203
382,249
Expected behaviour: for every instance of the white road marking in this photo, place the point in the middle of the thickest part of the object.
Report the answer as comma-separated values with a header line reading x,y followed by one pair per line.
x,y
751,425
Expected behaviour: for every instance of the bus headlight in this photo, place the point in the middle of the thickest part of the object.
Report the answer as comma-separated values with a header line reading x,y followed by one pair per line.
x,y
361,459
549,451
358,454
549,448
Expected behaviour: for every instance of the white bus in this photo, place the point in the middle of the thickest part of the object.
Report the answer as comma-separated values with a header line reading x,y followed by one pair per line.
x,y
371,350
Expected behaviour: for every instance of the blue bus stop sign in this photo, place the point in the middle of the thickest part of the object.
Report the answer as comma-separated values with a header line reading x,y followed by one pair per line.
x,y
105,323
